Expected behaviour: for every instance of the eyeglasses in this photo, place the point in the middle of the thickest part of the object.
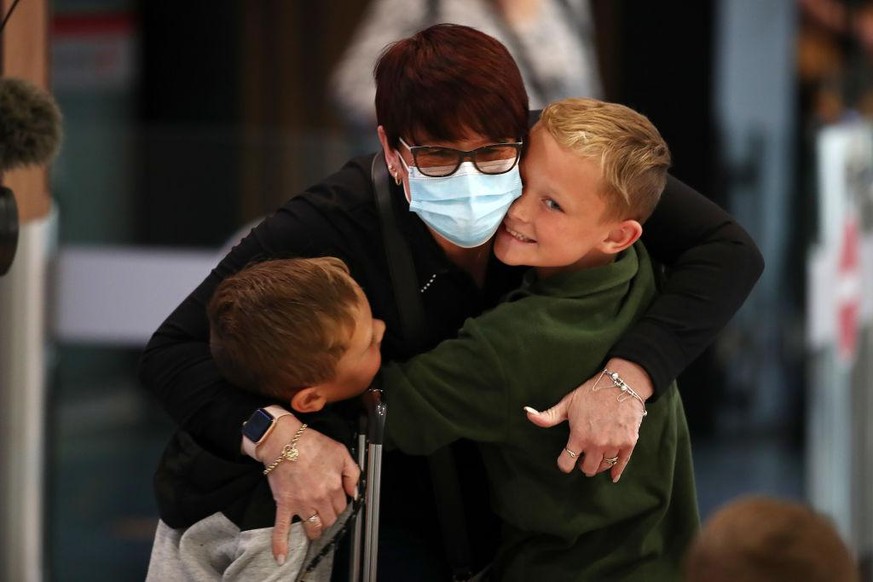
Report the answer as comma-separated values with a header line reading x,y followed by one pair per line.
x,y
439,162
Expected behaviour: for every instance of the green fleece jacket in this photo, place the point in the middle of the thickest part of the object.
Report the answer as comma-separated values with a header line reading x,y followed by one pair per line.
x,y
538,345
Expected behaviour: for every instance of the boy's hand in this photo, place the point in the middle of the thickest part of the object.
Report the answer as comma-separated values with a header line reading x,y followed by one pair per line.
x,y
313,487
603,431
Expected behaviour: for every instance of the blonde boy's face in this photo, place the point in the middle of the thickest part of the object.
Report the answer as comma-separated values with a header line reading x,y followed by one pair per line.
x,y
557,224
357,367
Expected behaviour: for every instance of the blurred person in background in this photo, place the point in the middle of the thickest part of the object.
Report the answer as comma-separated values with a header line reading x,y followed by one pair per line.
x,y
552,41
761,539
835,59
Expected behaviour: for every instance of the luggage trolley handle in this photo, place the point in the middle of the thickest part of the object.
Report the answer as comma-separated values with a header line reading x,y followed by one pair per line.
x,y
371,435
358,527
376,410
376,416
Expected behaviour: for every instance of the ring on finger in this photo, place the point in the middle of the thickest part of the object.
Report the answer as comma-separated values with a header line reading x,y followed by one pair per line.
x,y
314,519
610,461
570,453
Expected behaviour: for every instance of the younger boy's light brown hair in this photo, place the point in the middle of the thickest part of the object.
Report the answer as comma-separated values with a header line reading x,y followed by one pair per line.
x,y
758,539
633,156
281,325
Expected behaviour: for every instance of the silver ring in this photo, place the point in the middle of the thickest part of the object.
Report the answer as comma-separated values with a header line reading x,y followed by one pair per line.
x,y
610,461
314,519
571,453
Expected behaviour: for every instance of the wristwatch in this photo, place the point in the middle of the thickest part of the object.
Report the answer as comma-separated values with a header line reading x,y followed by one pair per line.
x,y
259,426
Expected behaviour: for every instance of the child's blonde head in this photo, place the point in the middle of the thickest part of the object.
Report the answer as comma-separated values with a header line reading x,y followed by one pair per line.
x,y
633,156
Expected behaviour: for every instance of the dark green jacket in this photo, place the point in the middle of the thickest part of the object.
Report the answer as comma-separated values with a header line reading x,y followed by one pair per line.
x,y
531,350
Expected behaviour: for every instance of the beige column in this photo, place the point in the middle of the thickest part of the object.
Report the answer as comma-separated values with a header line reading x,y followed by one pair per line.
x,y
24,53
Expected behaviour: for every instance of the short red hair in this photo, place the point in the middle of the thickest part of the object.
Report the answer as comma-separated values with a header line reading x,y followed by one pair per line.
x,y
446,81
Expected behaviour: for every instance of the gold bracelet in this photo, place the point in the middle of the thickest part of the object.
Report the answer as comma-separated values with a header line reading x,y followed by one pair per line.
x,y
626,390
289,451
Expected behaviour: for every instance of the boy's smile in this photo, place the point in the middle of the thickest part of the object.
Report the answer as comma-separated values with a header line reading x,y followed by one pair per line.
x,y
518,236
558,222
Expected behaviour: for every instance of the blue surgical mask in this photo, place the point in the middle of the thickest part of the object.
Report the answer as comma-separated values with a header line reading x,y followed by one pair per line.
x,y
465,208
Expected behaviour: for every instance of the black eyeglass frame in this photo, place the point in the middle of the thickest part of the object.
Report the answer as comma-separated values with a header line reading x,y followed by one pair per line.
x,y
464,155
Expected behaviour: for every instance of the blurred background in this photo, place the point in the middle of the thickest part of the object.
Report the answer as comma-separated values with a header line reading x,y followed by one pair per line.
x,y
185,123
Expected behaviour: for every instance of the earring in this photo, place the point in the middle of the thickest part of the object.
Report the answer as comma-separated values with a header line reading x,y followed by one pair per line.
x,y
393,171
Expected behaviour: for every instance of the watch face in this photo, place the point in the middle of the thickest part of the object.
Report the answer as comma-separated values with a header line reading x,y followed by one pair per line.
x,y
257,424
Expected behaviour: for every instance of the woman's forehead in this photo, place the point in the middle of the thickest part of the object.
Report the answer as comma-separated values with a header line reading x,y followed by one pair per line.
x,y
466,140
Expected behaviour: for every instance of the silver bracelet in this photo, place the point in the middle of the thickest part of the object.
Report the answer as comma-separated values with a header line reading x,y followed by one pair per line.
x,y
626,390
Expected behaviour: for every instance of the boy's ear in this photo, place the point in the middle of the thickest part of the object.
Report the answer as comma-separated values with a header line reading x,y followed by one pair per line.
x,y
621,236
309,399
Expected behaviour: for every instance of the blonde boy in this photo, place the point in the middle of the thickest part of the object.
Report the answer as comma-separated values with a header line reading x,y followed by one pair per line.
x,y
592,174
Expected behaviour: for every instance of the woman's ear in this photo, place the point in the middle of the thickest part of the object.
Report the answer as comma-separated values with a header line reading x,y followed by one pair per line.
x,y
621,236
386,148
309,399
392,157
391,154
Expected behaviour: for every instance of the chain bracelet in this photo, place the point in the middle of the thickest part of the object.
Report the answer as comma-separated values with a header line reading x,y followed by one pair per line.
x,y
626,390
289,451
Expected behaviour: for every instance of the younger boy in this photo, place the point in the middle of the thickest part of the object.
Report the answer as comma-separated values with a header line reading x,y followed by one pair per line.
x,y
297,330
300,331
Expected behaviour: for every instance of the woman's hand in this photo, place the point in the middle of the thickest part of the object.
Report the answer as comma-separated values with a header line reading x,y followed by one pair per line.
x,y
313,487
603,431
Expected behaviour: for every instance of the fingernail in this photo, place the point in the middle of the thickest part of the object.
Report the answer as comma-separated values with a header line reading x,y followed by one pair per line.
x,y
617,478
281,559
531,410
